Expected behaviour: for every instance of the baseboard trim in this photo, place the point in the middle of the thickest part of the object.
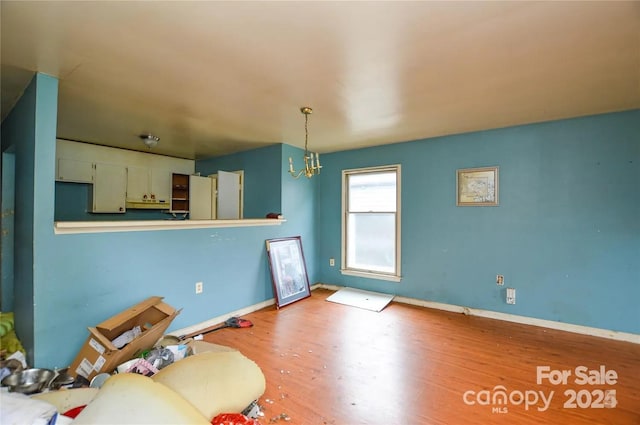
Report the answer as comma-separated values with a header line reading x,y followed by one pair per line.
x,y
220,319
549,324
190,330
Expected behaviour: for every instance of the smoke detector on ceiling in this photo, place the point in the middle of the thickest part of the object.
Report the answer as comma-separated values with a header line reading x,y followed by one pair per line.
x,y
150,140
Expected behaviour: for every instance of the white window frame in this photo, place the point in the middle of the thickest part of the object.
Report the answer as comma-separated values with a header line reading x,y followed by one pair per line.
x,y
396,276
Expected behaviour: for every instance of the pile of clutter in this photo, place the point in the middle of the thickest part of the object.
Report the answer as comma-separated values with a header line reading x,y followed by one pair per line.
x,y
166,351
12,354
169,380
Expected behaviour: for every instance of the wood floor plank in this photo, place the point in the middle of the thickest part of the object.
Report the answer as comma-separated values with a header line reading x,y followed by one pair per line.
x,y
327,363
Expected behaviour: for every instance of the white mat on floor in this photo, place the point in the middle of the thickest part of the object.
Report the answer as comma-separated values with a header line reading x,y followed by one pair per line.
x,y
374,301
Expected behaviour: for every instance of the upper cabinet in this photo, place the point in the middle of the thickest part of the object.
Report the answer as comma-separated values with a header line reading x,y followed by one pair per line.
x,y
160,184
200,198
109,188
148,187
137,184
147,177
121,180
73,170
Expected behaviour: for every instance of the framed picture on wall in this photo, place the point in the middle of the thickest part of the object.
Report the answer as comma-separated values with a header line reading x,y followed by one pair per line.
x,y
477,186
288,270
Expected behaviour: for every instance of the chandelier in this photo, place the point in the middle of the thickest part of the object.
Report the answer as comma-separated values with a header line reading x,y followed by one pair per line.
x,y
311,160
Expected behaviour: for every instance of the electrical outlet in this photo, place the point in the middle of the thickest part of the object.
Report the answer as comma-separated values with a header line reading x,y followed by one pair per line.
x,y
499,280
332,262
199,287
511,295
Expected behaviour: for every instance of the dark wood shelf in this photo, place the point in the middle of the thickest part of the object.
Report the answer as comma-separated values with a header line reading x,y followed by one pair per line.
x,y
179,193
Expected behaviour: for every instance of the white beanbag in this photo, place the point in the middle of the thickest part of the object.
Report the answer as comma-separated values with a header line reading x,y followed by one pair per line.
x,y
65,400
215,382
129,398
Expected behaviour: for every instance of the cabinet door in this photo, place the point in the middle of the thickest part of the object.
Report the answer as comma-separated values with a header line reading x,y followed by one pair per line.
x,y
137,183
214,196
200,198
71,170
161,184
109,188
228,195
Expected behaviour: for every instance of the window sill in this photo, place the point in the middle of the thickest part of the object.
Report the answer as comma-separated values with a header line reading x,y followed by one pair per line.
x,y
371,275
73,227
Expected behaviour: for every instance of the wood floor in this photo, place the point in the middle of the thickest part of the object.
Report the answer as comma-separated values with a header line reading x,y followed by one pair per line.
x,y
327,363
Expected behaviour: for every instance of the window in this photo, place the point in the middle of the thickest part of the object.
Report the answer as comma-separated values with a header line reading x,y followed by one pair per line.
x,y
371,222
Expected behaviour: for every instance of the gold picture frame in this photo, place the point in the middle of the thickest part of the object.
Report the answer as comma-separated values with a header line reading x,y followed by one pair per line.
x,y
477,187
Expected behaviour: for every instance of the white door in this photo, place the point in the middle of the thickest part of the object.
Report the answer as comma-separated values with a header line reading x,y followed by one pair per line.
x,y
228,196
199,198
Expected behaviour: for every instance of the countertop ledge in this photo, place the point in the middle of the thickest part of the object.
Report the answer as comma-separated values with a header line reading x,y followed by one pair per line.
x,y
72,227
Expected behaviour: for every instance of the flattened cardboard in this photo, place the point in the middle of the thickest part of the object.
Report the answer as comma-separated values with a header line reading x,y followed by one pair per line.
x,y
99,355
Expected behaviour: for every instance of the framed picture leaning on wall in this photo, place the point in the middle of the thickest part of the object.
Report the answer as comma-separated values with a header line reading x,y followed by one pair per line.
x,y
288,270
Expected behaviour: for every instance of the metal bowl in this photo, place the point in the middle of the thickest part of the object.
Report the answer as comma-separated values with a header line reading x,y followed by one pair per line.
x,y
29,381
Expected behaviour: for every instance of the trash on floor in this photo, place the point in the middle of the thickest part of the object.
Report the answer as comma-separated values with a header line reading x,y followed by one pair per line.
x,y
22,409
122,375
233,419
232,322
100,355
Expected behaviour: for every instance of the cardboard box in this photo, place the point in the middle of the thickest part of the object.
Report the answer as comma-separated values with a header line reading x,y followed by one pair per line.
x,y
99,355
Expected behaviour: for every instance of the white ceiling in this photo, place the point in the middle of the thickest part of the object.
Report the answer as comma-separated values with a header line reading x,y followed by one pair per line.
x,y
211,78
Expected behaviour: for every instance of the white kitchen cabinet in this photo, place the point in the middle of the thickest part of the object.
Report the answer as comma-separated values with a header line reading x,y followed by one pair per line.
x,y
109,188
200,198
160,184
148,188
75,171
137,184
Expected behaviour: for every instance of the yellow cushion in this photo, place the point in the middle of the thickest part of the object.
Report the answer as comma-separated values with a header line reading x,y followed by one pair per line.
x,y
10,343
6,323
215,382
129,398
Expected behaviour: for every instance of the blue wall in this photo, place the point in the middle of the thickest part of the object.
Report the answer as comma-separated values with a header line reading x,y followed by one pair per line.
x,y
65,283
262,191
7,225
29,130
94,276
73,202
566,234
299,207
270,188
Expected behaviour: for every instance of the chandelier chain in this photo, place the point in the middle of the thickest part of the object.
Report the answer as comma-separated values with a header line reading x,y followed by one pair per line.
x,y
306,133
